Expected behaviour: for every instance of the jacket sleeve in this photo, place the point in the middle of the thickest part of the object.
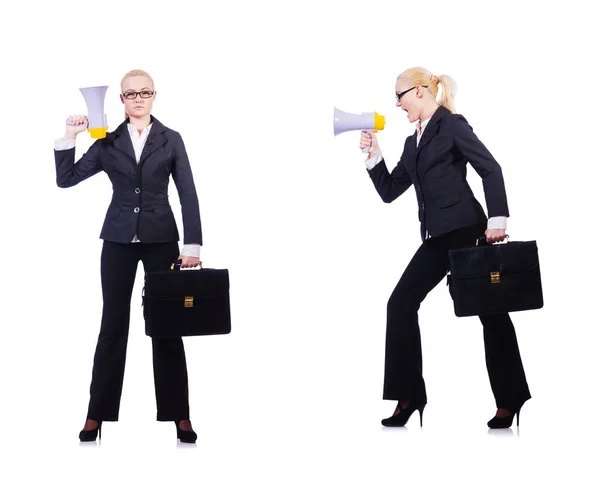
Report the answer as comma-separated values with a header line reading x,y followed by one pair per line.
x,y
69,172
390,185
184,181
484,164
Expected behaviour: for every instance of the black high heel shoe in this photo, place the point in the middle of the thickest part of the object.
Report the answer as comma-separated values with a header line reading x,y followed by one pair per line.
x,y
90,435
400,419
505,422
185,435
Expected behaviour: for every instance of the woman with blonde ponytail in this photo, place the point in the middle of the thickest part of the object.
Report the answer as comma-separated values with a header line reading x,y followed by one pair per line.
x,y
139,157
434,161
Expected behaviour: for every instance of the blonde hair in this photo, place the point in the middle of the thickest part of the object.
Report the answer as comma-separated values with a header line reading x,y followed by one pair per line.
x,y
135,73
423,77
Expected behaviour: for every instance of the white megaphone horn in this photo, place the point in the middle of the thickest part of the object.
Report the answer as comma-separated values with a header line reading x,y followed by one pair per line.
x,y
344,121
94,99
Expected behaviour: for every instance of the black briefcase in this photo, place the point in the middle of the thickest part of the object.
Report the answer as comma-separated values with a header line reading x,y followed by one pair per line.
x,y
180,303
486,279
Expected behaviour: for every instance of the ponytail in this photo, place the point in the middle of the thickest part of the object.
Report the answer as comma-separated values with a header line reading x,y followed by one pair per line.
x,y
449,90
423,77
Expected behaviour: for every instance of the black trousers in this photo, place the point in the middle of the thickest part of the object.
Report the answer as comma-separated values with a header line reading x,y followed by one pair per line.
x,y
403,357
118,267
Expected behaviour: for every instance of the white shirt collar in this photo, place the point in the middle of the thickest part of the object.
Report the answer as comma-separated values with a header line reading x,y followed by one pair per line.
x,y
134,132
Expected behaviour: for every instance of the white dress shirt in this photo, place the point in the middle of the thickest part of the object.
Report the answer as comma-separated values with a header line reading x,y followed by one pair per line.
x,y
138,140
495,222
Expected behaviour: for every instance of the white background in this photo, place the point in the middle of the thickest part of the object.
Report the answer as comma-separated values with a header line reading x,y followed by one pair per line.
x,y
292,398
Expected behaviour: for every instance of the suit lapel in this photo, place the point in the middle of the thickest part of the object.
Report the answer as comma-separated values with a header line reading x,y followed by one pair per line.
x,y
156,139
432,127
428,134
121,140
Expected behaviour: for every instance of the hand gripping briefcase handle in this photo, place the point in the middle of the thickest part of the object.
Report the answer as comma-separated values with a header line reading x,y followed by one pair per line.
x,y
483,240
176,266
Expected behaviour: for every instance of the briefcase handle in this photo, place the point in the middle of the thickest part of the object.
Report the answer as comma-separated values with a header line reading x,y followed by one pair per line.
x,y
483,239
176,266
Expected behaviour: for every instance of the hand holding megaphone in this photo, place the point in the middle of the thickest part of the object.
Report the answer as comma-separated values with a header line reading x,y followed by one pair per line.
x,y
76,124
368,142
96,119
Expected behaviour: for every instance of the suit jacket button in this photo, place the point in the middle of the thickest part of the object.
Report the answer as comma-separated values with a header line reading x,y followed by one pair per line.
x,y
136,210
137,190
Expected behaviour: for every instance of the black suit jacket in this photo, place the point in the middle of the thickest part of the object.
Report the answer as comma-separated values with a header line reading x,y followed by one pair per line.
x,y
438,170
140,203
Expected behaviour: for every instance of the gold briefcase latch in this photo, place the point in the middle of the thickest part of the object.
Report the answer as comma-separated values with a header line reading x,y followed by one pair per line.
x,y
495,277
188,302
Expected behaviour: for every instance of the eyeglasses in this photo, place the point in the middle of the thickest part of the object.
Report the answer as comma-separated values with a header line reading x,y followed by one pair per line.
x,y
146,94
399,95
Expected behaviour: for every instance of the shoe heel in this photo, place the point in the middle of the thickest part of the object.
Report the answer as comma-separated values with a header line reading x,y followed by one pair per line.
x,y
518,413
421,414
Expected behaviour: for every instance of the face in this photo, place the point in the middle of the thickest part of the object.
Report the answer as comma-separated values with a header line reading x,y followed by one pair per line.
x,y
411,100
141,105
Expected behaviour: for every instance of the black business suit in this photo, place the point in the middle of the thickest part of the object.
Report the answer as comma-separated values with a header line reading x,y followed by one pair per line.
x,y
450,218
139,208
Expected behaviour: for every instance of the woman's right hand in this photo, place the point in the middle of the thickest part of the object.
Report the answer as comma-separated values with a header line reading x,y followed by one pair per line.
x,y
368,138
80,124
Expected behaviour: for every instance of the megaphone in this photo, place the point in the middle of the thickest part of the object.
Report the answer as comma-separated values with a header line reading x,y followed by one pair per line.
x,y
344,121
94,99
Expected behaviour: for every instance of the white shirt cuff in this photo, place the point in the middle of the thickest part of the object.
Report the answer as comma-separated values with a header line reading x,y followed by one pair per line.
x,y
374,160
497,222
190,250
64,144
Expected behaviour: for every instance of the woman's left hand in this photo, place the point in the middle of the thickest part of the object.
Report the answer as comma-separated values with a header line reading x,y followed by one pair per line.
x,y
188,261
494,235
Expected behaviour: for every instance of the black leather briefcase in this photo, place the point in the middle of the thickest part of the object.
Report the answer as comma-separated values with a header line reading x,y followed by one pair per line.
x,y
486,279
179,303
